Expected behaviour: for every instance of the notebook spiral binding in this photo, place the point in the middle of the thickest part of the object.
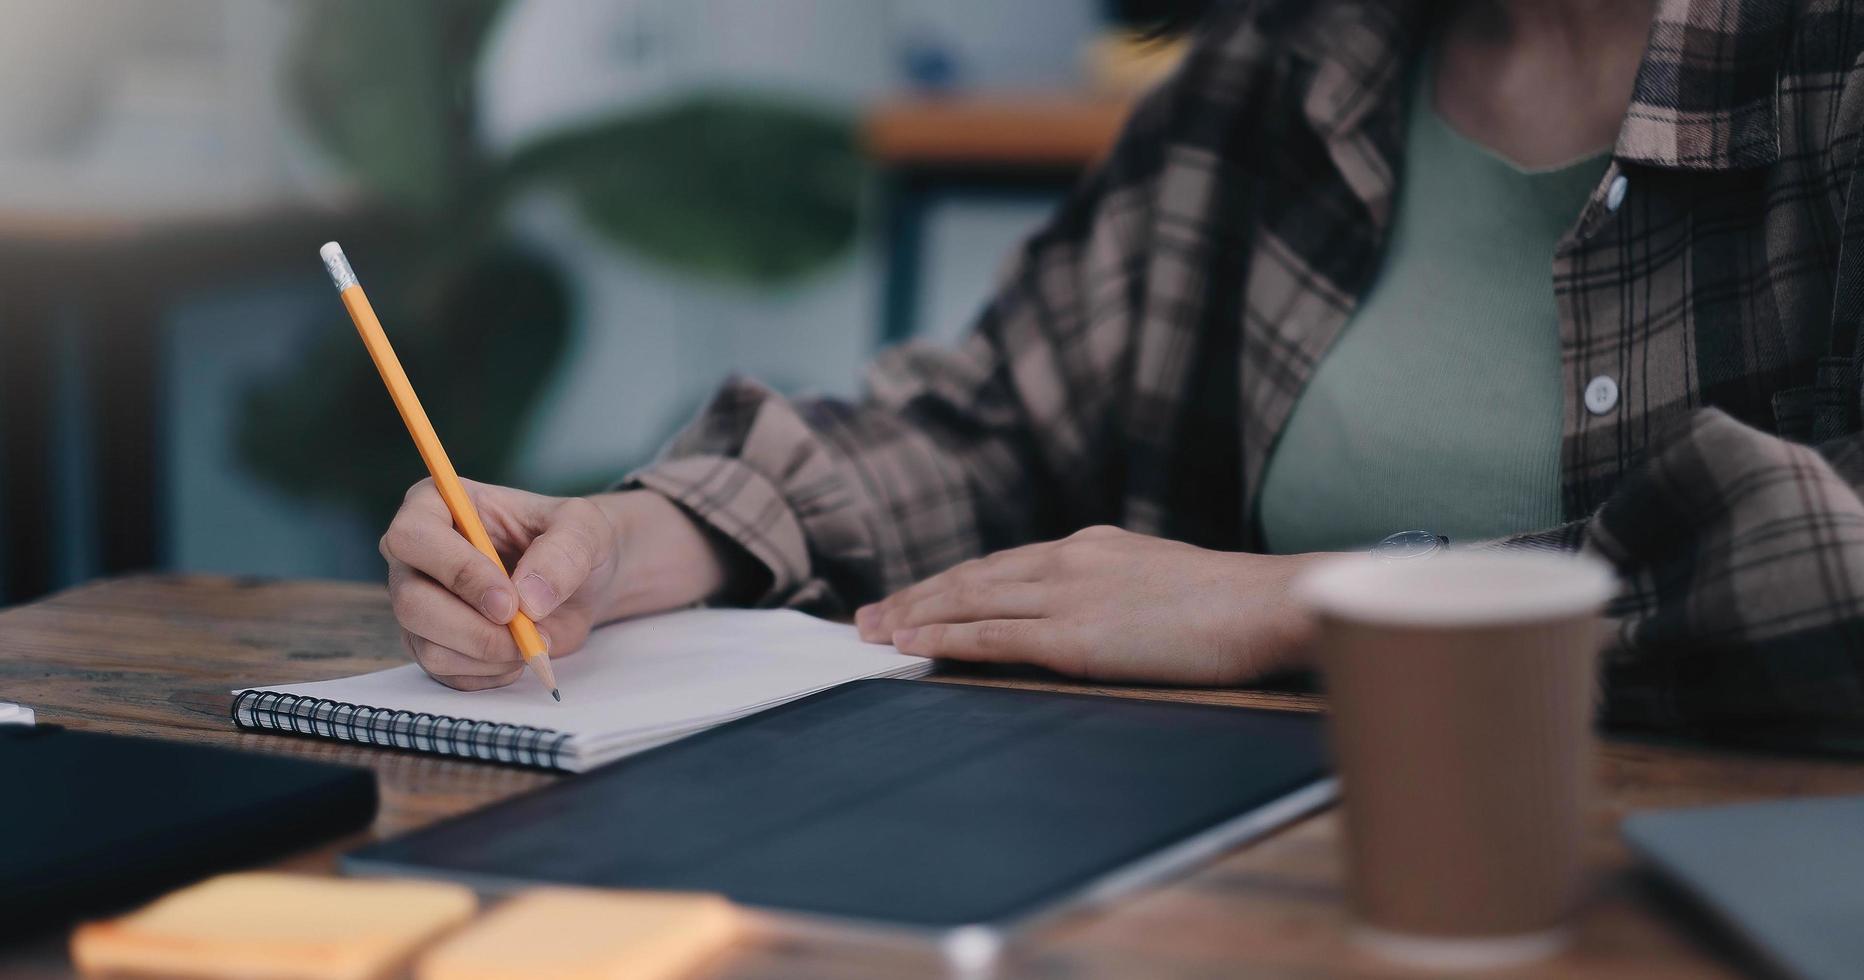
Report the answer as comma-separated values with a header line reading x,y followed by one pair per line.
x,y
497,742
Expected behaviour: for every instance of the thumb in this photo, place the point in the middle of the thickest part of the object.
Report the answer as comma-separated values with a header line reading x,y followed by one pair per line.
x,y
576,540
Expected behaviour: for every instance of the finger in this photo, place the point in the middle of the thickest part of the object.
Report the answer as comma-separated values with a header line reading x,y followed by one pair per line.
x,y
423,538
566,632
1015,565
438,660
576,540
511,514
970,603
1034,641
473,683
432,613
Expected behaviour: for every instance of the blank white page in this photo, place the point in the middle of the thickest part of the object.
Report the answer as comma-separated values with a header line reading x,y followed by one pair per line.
x,y
661,673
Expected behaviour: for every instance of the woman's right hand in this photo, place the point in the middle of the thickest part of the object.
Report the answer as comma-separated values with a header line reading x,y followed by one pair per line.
x,y
576,562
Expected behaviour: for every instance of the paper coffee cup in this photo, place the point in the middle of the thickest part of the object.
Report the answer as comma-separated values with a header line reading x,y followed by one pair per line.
x,y
1461,690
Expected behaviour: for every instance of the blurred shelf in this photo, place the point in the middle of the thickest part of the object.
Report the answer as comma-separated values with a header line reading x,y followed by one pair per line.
x,y
983,131
999,146
30,232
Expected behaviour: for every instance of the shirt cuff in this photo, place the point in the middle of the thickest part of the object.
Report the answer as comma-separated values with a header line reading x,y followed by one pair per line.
x,y
1564,538
741,504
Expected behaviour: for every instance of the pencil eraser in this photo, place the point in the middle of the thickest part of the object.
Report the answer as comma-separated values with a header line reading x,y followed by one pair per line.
x,y
337,264
275,926
587,934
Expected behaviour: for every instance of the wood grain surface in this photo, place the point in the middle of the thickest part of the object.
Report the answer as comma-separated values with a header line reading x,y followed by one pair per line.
x,y
157,656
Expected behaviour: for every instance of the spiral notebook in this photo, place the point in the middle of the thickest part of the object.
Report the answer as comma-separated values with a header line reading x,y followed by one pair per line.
x,y
633,686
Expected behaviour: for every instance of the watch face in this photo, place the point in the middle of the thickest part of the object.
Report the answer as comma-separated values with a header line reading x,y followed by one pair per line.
x,y
1408,544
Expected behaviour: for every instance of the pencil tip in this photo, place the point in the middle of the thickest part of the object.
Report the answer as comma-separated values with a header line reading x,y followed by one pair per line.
x,y
556,694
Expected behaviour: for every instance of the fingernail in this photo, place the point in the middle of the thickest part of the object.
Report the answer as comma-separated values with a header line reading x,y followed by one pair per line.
x,y
499,604
904,638
539,597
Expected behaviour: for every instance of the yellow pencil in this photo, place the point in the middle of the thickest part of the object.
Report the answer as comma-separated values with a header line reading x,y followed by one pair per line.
x,y
465,516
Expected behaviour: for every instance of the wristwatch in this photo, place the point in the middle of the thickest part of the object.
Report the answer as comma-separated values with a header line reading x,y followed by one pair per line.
x,y
1410,546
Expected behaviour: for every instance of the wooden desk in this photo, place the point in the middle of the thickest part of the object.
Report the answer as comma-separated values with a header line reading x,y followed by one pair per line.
x,y
155,656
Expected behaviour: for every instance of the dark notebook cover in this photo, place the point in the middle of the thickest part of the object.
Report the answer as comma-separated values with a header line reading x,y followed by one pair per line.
x,y
90,823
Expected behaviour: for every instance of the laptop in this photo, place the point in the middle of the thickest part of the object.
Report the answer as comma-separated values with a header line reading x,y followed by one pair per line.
x,y
1787,876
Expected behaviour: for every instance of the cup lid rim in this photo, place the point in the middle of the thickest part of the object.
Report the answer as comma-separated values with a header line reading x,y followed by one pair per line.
x,y
1457,589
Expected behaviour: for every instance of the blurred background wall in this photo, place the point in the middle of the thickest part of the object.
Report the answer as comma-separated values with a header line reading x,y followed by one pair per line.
x,y
575,216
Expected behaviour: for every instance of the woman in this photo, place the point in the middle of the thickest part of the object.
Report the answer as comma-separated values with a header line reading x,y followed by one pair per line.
x,y
1525,273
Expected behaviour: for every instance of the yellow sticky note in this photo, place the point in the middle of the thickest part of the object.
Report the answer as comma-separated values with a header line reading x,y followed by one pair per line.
x,y
267,926
577,934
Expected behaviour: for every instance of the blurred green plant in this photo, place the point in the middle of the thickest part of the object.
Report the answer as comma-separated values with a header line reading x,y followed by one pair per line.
x,y
724,186
479,348
736,188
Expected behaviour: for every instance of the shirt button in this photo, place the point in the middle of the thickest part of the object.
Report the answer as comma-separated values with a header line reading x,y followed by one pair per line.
x,y
1601,395
1615,194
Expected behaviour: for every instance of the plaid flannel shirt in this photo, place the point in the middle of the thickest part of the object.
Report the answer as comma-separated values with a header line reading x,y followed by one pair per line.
x,y
1145,348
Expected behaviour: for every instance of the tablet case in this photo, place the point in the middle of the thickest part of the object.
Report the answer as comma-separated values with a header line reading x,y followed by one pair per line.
x,y
92,822
903,805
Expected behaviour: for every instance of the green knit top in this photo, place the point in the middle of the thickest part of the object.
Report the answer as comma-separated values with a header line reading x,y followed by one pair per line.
x,y
1439,406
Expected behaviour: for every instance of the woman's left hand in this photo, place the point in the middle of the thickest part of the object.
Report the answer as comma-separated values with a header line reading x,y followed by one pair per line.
x,y
1106,604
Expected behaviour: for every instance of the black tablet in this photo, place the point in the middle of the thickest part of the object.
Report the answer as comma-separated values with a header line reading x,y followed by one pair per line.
x,y
903,804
